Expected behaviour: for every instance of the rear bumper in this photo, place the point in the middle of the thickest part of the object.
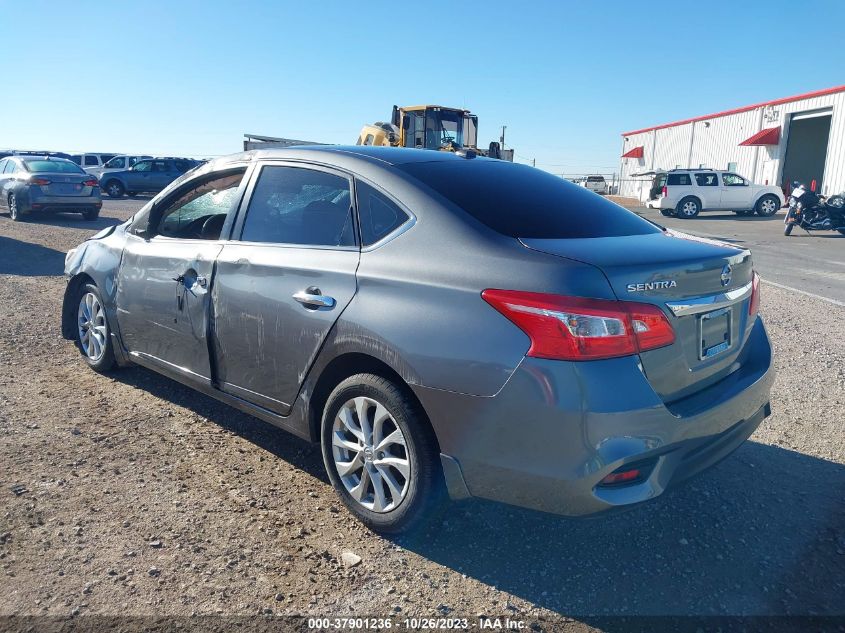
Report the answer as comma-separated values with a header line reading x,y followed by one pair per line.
x,y
556,429
61,203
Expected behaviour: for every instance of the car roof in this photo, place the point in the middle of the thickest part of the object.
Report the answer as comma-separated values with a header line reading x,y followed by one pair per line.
x,y
367,153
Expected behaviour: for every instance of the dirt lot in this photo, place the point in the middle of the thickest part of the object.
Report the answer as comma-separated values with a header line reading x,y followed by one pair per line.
x,y
130,494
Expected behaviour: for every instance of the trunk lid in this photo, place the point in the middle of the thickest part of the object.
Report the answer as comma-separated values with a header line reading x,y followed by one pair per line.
x,y
64,185
703,286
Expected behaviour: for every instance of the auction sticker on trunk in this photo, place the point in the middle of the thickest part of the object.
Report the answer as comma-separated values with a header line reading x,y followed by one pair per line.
x,y
714,329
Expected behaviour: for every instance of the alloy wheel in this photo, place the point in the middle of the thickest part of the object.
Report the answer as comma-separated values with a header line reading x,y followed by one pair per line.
x,y
371,455
13,207
92,326
768,207
114,190
689,208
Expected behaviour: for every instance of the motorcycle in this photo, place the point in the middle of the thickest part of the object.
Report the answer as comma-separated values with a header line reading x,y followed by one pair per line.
x,y
813,212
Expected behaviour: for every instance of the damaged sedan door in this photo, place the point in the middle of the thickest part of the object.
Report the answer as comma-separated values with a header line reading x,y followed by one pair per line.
x,y
167,271
282,281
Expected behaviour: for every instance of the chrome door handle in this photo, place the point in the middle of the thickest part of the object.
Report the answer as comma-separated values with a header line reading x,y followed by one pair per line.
x,y
313,299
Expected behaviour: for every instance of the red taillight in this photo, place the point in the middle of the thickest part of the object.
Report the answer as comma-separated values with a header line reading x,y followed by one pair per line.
x,y
754,304
91,182
619,478
665,191
38,181
572,328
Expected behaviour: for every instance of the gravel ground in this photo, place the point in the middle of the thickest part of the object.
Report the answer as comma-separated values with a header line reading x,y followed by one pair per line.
x,y
131,494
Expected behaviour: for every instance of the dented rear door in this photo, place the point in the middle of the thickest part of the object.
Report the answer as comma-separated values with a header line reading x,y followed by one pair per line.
x,y
281,285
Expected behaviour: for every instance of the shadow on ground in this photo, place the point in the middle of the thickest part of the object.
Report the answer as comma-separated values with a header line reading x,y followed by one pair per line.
x,y
762,533
29,260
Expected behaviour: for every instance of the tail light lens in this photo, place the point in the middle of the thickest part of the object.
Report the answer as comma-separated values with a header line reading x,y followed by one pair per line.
x,y
572,328
754,304
91,182
665,191
35,180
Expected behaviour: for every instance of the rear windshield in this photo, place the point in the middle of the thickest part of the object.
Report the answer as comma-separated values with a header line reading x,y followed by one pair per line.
x,y
520,201
595,179
53,166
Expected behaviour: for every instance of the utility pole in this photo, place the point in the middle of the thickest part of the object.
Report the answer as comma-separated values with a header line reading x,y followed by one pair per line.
x,y
502,139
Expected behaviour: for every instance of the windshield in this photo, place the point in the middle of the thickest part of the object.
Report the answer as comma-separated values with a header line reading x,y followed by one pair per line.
x,y
52,166
443,127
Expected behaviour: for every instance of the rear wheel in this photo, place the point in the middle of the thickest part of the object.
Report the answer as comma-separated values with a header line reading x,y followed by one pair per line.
x,y
114,189
767,206
381,454
93,337
688,208
788,229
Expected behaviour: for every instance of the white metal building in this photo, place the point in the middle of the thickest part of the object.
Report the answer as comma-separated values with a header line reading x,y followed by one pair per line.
x,y
797,138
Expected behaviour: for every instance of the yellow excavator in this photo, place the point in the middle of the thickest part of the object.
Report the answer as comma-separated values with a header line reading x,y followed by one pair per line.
x,y
429,127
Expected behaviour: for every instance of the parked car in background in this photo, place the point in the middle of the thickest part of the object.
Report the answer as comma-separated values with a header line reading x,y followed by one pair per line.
x,y
118,163
439,323
686,192
149,175
595,183
92,160
47,184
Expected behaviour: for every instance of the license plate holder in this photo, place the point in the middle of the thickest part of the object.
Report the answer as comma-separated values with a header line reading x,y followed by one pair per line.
x,y
714,333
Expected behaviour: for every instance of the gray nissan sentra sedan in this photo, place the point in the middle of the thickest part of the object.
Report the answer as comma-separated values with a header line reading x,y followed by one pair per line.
x,y
439,323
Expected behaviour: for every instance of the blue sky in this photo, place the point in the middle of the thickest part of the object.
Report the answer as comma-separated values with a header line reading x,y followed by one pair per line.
x,y
190,78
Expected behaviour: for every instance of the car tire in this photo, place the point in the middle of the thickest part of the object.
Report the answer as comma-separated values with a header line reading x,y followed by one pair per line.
x,y
93,334
667,213
14,211
788,229
91,214
767,206
359,457
114,189
688,208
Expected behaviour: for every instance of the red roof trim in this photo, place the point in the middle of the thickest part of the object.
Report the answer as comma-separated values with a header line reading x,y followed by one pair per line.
x,y
807,95
769,136
637,152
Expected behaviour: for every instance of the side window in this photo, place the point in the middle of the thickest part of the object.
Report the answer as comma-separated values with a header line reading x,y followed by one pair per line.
x,y
707,180
678,179
160,166
3,165
378,215
182,166
732,180
91,160
294,205
11,167
132,161
199,212
76,158
144,165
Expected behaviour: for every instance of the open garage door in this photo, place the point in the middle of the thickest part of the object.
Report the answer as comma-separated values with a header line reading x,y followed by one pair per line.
x,y
806,148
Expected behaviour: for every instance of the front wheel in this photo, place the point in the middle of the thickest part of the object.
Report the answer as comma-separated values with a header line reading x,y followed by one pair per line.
x,y
381,454
114,189
93,337
788,229
767,206
14,211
